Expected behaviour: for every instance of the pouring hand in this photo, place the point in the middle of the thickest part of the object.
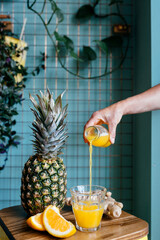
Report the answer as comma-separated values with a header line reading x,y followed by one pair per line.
x,y
110,116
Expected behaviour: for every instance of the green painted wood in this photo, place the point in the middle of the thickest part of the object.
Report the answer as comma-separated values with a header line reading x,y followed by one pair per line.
x,y
147,126
155,127
142,122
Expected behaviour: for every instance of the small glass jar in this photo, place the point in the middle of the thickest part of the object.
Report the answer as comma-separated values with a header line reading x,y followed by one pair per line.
x,y
98,136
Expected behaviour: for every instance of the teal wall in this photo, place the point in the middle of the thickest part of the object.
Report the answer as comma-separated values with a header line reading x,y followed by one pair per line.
x,y
112,167
146,175
155,127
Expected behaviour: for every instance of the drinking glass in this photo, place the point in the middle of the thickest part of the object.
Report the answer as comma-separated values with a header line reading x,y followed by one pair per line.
x,y
88,207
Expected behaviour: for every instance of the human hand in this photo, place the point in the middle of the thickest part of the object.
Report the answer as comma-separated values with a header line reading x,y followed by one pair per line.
x,y
111,116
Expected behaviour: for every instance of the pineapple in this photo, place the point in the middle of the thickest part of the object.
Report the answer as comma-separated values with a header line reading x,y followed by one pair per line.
x,y
44,175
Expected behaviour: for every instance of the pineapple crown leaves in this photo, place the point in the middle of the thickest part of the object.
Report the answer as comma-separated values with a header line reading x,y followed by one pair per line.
x,y
49,128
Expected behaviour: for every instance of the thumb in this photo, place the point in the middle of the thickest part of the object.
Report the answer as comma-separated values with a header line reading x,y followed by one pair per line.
x,y
112,131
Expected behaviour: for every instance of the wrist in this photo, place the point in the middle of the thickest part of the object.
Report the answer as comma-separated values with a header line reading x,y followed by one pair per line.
x,y
121,107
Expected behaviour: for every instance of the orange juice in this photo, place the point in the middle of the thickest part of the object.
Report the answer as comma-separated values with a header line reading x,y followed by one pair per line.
x,y
102,141
88,216
88,207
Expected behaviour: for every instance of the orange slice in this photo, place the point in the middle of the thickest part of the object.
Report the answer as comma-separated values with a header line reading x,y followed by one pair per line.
x,y
56,224
36,222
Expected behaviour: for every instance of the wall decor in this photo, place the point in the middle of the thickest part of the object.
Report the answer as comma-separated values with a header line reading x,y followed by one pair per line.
x,y
64,46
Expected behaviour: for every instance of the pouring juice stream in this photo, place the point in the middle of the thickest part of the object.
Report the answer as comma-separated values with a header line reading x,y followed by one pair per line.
x,y
90,166
97,136
87,214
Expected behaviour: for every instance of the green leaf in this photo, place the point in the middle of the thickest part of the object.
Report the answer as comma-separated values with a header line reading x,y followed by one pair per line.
x,y
58,37
102,45
85,12
13,122
42,53
53,5
37,70
88,53
59,15
14,112
62,51
66,40
5,117
75,56
33,73
13,133
57,11
26,48
113,41
10,76
69,43
115,1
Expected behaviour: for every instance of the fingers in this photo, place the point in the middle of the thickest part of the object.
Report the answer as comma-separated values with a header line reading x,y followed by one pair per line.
x,y
94,120
111,116
112,131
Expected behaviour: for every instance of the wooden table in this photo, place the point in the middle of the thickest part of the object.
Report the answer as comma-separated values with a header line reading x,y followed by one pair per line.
x,y
127,227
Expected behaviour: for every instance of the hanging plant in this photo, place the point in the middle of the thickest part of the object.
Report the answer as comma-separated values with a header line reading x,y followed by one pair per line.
x,y
13,75
64,45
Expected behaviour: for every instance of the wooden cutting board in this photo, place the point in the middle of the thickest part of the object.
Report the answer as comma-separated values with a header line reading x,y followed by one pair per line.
x,y
127,227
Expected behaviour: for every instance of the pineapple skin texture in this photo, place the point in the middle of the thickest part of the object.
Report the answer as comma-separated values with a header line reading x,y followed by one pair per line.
x,y
43,183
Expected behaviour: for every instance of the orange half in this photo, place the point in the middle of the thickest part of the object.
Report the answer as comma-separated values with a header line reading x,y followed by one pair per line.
x,y
56,224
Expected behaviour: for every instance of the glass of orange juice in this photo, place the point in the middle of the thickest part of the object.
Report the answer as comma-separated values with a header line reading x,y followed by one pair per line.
x,y
88,206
